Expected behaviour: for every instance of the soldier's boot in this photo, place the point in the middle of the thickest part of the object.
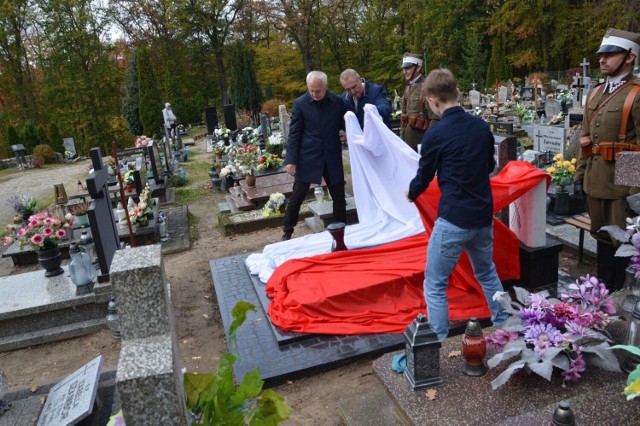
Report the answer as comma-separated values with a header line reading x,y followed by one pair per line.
x,y
620,265
605,264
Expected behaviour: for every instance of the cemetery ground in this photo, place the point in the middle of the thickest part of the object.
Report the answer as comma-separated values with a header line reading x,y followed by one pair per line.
x,y
201,336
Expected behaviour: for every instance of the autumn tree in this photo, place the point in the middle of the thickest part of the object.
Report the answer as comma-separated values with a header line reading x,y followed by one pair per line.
x,y
150,104
131,102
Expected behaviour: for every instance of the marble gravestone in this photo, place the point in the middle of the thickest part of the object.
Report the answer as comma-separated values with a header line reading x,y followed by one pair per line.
x,y
502,95
552,107
284,122
70,145
474,98
72,399
549,138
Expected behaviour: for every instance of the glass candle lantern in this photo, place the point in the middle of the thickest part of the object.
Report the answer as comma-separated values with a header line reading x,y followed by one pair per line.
x,y
632,339
474,349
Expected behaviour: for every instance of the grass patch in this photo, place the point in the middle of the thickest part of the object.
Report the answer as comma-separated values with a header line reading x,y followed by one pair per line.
x,y
191,195
197,171
192,220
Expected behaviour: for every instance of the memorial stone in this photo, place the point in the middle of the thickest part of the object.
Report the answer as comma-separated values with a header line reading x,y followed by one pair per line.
x,y
211,115
101,219
474,97
505,151
72,399
70,145
502,94
552,107
501,128
549,138
148,380
284,122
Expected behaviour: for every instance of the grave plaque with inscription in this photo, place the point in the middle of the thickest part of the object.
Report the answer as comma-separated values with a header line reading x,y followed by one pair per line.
x,y
549,138
474,98
499,128
72,399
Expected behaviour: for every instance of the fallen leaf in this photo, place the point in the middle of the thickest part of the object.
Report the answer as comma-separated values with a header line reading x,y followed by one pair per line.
x,y
289,382
205,315
206,297
431,394
42,399
195,358
34,389
454,354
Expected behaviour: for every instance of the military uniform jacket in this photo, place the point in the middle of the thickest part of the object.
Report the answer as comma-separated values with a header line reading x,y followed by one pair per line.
x,y
604,126
411,106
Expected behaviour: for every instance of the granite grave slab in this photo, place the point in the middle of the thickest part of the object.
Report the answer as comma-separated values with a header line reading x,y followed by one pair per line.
x,y
72,399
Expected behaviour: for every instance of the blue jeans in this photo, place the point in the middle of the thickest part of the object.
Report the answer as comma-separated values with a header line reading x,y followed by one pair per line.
x,y
445,247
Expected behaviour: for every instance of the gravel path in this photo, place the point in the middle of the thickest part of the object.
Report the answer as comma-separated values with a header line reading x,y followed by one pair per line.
x,y
40,183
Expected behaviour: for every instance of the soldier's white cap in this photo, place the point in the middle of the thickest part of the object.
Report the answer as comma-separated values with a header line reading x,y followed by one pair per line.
x,y
167,105
411,60
615,41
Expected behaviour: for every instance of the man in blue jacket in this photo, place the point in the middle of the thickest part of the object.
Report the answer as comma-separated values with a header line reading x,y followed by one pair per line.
x,y
314,149
359,92
459,150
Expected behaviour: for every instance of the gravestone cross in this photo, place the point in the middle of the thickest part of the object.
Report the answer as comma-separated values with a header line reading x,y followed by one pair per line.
x,y
496,86
103,224
586,80
535,81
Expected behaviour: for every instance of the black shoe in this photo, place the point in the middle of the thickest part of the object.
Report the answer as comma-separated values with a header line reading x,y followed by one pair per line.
x,y
287,235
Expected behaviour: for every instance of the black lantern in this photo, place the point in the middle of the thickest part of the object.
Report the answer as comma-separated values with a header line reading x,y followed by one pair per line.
x,y
563,416
422,349
113,321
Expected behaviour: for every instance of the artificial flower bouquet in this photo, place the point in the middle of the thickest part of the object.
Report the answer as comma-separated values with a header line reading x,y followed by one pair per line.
x,y
562,171
275,144
247,156
275,205
228,170
269,161
556,119
222,133
42,231
544,333
147,198
143,141
630,239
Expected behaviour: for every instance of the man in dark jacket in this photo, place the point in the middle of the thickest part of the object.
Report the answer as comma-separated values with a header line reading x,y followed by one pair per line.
x,y
359,92
459,150
314,149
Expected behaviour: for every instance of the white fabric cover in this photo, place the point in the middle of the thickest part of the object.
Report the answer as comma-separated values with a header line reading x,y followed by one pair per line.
x,y
382,166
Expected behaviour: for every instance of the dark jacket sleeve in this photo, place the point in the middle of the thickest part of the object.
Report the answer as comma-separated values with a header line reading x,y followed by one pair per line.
x,y
426,168
382,103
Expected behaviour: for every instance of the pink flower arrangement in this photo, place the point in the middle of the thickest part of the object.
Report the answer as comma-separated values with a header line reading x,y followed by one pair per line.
x,y
42,231
549,333
142,141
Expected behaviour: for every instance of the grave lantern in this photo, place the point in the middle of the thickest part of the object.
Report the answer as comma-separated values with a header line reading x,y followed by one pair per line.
x,y
632,284
336,230
474,348
422,349
563,416
113,320
632,339
86,244
163,227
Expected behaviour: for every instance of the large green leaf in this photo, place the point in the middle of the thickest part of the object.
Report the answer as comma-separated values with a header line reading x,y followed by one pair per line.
x,y
239,314
272,409
196,384
249,388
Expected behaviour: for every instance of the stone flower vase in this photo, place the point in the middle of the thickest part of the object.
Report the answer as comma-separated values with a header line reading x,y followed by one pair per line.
x,y
250,180
51,259
562,206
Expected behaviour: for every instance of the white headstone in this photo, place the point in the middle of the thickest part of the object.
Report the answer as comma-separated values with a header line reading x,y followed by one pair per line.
x,y
284,122
474,97
549,138
502,94
70,145
528,216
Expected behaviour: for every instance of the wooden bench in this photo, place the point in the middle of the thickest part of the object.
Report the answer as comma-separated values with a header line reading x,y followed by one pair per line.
x,y
583,223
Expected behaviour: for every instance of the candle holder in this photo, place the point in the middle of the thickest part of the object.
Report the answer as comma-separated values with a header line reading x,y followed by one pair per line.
x,y
474,349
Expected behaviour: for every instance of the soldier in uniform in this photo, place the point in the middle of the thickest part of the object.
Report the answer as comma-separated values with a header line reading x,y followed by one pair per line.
x,y
604,134
416,117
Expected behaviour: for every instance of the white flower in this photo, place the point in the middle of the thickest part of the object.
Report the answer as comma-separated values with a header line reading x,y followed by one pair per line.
x,y
142,205
275,139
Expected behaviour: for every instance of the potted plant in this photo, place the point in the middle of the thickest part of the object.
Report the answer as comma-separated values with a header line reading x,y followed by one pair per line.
x,y
79,210
43,233
561,176
25,205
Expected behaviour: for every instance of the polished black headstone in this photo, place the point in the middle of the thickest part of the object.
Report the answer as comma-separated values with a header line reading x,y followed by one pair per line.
x,y
211,116
230,117
101,219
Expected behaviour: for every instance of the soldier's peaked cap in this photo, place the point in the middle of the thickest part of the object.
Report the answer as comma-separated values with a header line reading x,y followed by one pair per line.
x,y
615,41
410,60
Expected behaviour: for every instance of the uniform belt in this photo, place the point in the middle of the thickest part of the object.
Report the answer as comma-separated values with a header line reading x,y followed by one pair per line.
x,y
619,147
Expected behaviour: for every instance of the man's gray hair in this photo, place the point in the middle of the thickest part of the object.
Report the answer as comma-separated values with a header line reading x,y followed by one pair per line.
x,y
317,75
348,74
